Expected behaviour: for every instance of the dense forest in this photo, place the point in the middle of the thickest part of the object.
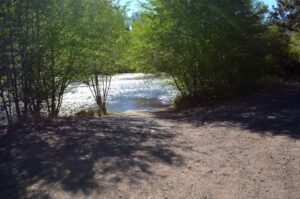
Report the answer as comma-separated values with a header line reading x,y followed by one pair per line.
x,y
212,49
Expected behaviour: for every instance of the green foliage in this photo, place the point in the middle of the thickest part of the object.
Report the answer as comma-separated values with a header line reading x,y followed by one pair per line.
x,y
287,14
183,102
210,48
104,38
103,44
45,45
294,54
294,46
277,45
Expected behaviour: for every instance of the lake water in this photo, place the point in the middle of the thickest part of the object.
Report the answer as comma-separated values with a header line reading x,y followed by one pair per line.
x,y
130,91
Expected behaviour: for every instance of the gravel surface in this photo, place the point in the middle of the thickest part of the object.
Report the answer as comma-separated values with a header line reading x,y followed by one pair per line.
x,y
244,148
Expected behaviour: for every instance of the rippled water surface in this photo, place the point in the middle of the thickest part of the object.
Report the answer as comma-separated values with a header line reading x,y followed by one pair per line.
x,y
130,91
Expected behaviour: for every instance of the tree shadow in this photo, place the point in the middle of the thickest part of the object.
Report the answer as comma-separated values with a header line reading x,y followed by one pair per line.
x,y
276,112
82,155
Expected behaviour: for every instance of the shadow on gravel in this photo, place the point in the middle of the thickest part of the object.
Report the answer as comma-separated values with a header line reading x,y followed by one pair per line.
x,y
276,112
82,155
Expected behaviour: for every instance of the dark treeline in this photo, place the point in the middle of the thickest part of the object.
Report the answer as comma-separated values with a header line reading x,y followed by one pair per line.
x,y
46,44
215,49
211,48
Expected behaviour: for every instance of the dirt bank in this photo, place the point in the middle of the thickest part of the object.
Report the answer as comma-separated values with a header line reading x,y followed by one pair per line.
x,y
244,148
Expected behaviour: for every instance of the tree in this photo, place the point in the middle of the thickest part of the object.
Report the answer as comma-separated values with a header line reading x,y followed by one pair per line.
x,y
45,45
287,17
105,38
63,53
39,55
287,14
211,48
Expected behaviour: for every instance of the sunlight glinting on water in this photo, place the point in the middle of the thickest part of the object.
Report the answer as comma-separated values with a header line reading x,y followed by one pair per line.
x,y
132,91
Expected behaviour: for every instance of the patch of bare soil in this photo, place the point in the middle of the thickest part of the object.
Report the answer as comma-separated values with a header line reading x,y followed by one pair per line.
x,y
245,148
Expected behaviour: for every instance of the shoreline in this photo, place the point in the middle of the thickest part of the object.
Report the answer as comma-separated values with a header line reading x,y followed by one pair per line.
x,y
243,148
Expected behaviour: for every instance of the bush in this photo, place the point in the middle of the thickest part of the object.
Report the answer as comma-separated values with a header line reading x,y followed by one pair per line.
x,y
182,102
212,49
88,113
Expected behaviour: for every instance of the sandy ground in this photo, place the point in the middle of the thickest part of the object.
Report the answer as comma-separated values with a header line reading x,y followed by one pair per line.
x,y
243,148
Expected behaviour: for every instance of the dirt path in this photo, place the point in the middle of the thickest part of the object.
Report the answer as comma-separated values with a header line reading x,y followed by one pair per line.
x,y
246,148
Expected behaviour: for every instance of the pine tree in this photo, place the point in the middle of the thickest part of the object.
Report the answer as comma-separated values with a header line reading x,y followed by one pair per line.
x,y
287,14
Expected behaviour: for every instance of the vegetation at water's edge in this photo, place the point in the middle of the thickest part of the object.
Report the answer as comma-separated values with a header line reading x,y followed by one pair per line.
x,y
45,45
216,49
212,49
